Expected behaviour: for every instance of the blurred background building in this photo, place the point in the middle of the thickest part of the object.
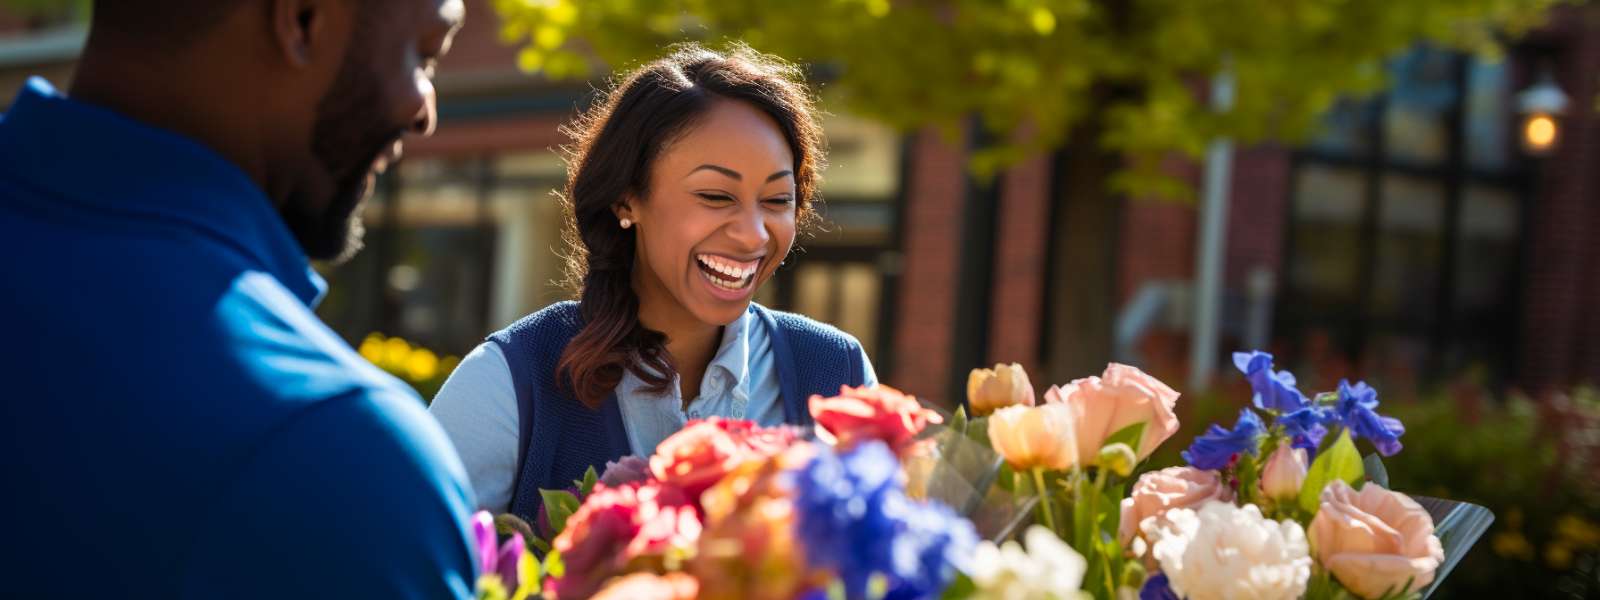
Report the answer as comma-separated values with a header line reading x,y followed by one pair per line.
x,y
1417,240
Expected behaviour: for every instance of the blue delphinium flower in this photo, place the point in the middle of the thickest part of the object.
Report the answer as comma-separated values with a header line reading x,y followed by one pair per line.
x,y
1358,411
1306,427
932,545
853,517
1273,390
1157,588
1216,448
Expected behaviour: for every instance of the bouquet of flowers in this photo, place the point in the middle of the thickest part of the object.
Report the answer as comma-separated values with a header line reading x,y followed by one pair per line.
x,y
727,509
1280,505
887,498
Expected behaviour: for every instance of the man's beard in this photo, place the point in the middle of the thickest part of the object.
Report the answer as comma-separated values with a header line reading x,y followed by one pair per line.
x,y
347,140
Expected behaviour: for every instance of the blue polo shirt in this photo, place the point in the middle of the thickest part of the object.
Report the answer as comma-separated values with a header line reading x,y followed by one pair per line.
x,y
177,422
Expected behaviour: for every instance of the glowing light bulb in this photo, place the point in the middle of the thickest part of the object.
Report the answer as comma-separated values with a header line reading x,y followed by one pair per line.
x,y
1539,133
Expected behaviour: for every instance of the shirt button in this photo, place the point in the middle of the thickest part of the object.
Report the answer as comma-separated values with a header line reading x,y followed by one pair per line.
x,y
694,414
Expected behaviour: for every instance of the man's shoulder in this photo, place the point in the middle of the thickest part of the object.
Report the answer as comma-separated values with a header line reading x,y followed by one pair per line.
x,y
286,349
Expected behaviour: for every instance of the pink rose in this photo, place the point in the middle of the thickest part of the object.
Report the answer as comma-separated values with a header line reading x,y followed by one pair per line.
x,y
1374,541
1157,492
616,527
1120,397
1284,473
872,413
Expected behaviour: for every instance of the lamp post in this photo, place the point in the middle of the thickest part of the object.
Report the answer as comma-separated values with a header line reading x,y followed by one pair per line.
x,y
1540,107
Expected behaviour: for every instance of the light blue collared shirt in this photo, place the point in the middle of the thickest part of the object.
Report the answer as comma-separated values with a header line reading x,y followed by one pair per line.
x,y
478,405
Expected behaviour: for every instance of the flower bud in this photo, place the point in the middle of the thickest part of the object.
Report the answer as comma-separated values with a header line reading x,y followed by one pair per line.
x,y
1118,458
1284,473
1002,386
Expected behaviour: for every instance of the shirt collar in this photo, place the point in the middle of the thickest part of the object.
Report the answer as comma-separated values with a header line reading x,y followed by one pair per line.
x,y
101,161
733,355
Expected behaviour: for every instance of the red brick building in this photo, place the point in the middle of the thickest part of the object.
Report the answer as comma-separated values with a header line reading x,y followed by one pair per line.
x,y
1412,242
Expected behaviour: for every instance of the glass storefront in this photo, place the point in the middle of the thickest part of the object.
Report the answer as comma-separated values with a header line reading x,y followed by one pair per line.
x,y
1405,221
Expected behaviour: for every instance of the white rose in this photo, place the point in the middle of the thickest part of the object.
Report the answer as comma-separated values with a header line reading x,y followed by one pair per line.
x,y
1226,551
1048,570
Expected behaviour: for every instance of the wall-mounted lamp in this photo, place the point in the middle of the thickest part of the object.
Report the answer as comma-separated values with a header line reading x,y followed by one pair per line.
x,y
1541,107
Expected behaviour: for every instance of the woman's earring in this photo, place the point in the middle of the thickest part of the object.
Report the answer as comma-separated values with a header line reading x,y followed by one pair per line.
x,y
626,223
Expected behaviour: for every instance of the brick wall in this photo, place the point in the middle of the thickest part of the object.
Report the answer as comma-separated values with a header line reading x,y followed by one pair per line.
x,y
1016,311
932,237
1559,343
1258,213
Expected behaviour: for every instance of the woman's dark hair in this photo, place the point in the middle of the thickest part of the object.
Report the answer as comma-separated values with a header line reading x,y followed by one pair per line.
x,y
616,143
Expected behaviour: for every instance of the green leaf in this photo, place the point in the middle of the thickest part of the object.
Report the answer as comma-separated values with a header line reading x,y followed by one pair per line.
x,y
586,484
1340,462
1376,472
962,587
1130,435
958,421
559,505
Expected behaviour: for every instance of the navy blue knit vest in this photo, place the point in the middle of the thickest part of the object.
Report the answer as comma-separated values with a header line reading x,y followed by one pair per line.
x,y
561,438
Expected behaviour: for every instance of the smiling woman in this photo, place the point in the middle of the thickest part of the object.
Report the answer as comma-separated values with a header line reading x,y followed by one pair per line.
x,y
686,188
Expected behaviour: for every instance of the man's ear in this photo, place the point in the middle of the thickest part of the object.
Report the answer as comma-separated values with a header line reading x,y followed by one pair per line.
x,y
301,29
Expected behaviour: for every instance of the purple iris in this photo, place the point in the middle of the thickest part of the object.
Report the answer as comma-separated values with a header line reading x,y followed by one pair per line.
x,y
1157,588
1273,390
501,562
1358,410
1217,447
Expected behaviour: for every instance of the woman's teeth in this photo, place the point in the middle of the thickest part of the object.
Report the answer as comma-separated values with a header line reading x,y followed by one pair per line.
x,y
726,273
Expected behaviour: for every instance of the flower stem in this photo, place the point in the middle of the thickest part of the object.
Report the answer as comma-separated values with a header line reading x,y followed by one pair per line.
x,y
1045,506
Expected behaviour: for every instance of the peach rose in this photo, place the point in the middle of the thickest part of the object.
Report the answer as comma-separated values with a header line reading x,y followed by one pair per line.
x,y
1032,437
1002,386
871,413
1374,541
650,586
1120,397
748,548
1157,492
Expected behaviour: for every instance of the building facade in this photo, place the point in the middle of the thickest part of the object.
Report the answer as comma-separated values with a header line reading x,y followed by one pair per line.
x,y
1412,242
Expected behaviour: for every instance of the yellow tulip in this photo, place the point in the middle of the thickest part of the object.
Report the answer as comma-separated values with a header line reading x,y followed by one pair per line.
x,y
1002,386
1035,437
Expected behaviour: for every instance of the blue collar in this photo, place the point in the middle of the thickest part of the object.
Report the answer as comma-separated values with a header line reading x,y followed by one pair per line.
x,y
91,159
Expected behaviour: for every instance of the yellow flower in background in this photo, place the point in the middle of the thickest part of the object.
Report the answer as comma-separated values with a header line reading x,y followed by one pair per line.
x,y
372,348
1511,544
1578,532
395,353
422,364
422,367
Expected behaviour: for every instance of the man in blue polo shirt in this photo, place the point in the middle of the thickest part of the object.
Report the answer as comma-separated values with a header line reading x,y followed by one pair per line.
x,y
177,422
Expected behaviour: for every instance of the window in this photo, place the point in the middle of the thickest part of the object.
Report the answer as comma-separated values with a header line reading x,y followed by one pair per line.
x,y
1404,239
